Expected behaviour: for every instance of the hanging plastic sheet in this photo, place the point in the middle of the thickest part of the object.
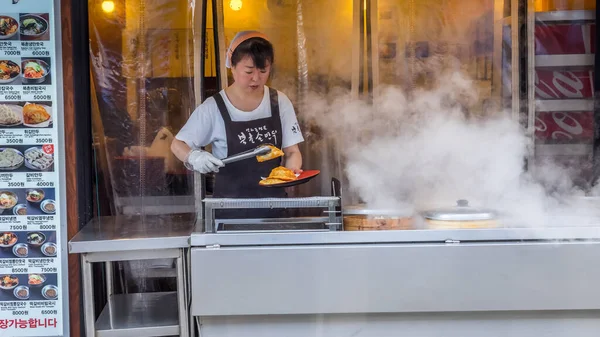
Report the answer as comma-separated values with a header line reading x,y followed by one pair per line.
x,y
142,69
142,73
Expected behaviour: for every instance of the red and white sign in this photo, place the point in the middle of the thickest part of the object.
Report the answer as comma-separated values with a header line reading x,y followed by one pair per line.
x,y
48,148
564,127
561,39
562,84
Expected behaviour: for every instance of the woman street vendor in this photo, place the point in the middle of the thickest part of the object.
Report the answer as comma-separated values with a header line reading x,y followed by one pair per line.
x,y
239,118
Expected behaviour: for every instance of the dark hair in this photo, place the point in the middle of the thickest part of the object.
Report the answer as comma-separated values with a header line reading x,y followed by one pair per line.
x,y
259,49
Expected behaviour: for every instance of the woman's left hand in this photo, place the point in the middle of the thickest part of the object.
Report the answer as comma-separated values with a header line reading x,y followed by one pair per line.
x,y
293,159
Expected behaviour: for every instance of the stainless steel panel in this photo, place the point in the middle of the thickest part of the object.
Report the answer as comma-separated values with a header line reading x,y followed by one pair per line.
x,y
564,149
148,314
575,105
512,324
233,203
580,15
126,233
212,204
132,255
564,60
408,236
88,296
395,278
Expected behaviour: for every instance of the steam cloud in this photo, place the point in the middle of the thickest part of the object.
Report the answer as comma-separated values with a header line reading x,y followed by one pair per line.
x,y
425,151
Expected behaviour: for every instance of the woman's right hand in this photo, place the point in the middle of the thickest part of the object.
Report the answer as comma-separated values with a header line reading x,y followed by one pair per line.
x,y
204,162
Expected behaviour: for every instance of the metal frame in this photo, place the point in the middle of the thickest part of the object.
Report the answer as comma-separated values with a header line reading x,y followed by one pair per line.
x,y
356,47
373,39
531,103
573,105
108,257
589,233
199,44
374,278
497,56
211,205
515,58
220,41
61,174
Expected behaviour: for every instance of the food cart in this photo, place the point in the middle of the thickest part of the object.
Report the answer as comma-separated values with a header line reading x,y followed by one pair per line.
x,y
353,269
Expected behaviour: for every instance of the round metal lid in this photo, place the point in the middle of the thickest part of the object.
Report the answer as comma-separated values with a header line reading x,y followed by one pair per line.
x,y
461,212
362,209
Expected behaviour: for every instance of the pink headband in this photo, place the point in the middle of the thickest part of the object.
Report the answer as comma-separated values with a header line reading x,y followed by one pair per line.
x,y
238,39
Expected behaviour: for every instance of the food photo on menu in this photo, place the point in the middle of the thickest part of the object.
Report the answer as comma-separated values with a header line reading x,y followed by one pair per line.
x,y
25,158
27,201
34,26
32,287
36,70
10,71
9,27
21,244
25,115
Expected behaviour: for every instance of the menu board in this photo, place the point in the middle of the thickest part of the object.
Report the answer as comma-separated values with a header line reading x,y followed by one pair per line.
x,y
31,277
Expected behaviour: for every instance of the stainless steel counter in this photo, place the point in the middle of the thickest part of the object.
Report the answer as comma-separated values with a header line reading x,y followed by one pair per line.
x,y
403,236
152,312
538,281
131,238
127,233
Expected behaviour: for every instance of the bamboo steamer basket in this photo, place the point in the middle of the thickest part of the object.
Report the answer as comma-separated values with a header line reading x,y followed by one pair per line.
x,y
361,218
462,216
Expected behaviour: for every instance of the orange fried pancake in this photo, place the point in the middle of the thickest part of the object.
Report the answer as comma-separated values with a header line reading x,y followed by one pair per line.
x,y
35,114
275,153
271,181
279,175
282,173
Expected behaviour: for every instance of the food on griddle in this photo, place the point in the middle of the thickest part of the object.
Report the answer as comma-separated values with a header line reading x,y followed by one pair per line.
x,y
33,69
8,116
37,159
279,175
8,239
7,200
8,25
275,153
32,26
35,195
36,279
35,114
8,70
10,158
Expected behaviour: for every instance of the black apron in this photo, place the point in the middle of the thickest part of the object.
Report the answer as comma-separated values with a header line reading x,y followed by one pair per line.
x,y
240,179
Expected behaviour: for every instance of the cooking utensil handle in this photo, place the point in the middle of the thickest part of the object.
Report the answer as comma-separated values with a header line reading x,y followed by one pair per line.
x,y
238,157
260,150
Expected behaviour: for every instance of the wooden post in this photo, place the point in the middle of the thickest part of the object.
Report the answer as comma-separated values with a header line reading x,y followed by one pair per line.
x,y
71,167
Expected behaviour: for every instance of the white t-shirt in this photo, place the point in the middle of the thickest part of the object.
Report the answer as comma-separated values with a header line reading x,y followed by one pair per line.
x,y
206,126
